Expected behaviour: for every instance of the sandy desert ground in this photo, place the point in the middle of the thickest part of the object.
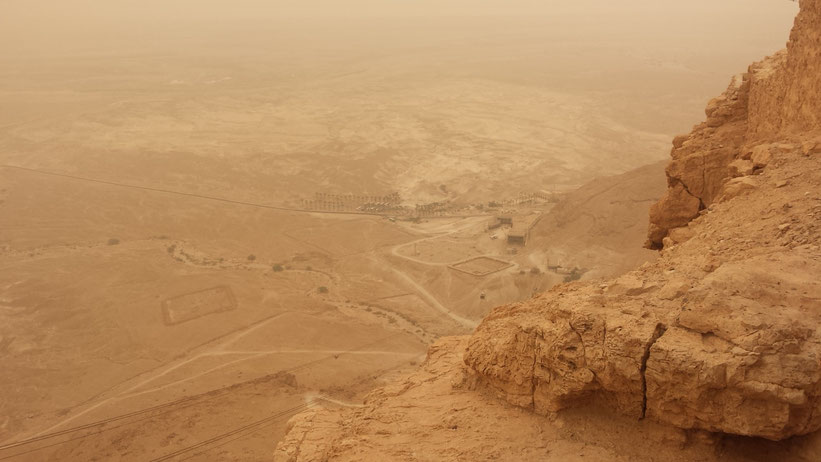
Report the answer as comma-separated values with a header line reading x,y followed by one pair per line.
x,y
158,286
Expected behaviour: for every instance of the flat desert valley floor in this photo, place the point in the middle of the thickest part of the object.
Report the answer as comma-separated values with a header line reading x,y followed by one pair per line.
x,y
207,228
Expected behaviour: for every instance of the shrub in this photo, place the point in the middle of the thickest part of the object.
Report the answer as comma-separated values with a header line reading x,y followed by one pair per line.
x,y
322,290
113,241
535,270
252,257
277,268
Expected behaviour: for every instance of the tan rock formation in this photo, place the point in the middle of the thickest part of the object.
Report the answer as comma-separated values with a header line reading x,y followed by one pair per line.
x,y
777,97
790,100
720,334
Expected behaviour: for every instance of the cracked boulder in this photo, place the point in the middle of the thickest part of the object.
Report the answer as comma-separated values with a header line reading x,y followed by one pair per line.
x,y
739,352
564,348
745,356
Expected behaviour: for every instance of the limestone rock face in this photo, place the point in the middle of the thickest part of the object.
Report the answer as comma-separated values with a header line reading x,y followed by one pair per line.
x,y
435,414
713,336
777,97
743,361
704,160
547,356
675,209
790,101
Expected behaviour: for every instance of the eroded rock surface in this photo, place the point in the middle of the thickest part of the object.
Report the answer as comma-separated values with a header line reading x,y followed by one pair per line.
x,y
434,414
722,333
776,98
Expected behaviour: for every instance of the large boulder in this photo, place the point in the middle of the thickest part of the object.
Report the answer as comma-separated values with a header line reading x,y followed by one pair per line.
x,y
739,352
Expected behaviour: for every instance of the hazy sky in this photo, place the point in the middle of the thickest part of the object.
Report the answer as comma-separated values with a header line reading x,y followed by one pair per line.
x,y
40,27
254,8
22,13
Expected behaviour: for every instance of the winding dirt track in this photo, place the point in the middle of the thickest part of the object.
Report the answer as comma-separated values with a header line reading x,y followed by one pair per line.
x,y
466,223
427,296
220,347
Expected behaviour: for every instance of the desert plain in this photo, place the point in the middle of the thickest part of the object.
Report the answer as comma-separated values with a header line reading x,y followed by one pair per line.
x,y
210,221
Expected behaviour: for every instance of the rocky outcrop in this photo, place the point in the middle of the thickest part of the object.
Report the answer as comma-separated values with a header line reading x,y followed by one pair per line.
x,y
722,333
707,338
777,97
701,162
434,414
564,348
789,100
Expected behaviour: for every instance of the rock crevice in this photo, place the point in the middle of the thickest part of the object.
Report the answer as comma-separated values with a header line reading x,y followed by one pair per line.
x,y
660,330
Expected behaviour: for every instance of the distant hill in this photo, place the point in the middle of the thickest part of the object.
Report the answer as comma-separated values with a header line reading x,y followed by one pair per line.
x,y
602,225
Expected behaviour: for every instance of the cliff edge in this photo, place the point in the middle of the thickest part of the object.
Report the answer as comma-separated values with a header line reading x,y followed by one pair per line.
x,y
777,98
711,352
721,333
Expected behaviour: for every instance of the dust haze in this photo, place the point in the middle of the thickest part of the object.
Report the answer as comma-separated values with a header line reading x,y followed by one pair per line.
x,y
214,212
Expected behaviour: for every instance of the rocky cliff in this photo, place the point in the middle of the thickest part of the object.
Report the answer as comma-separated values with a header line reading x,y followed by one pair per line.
x,y
719,336
779,97
721,333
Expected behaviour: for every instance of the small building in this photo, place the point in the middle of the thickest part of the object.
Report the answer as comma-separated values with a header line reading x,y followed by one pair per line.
x,y
493,223
518,235
505,219
520,230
